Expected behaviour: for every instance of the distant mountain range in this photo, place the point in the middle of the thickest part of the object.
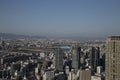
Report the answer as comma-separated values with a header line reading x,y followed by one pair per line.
x,y
17,36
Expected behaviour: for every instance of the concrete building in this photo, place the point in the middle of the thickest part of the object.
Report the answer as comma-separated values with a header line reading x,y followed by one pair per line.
x,y
72,75
113,58
99,69
96,78
85,75
49,74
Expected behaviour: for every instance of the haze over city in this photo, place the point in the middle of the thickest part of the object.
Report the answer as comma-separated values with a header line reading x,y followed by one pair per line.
x,y
60,18
59,39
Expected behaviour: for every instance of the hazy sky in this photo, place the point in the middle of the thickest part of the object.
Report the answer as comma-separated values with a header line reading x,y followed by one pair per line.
x,y
60,17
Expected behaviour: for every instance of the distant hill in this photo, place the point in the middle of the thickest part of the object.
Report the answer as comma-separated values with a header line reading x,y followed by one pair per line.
x,y
17,36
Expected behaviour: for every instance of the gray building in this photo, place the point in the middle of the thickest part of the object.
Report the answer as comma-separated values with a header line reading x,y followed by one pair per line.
x,y
59,54
49,75
76,57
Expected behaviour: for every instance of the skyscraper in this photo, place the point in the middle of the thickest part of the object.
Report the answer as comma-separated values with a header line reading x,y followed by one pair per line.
x,y
76,57
95,58
113,58
59,54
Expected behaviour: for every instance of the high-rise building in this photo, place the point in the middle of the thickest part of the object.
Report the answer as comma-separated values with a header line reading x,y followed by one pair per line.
x,y
95,58
112,65
76,57
59,54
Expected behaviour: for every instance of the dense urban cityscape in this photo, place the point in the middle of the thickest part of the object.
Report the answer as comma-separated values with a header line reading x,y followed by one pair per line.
x,y
60,59
59,39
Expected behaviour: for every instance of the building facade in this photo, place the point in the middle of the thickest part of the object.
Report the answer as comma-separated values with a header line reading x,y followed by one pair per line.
x,y
59,54
76,57
95,58
85,75
113,58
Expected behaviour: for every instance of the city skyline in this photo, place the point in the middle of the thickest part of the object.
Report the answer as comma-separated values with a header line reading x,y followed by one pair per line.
x,y
60,18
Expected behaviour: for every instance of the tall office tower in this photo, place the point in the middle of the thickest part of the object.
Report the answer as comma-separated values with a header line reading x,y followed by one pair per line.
x,y
79,57
59,54
95,58
76,57
112,64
